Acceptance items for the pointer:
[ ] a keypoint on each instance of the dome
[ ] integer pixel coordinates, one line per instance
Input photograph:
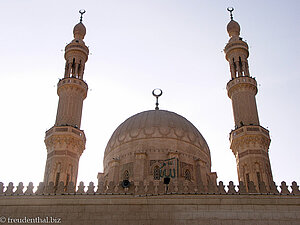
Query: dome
(79, 31)
(233, 28)
(157, 131)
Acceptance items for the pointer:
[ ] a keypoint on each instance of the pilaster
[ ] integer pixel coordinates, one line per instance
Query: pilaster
(139, 169)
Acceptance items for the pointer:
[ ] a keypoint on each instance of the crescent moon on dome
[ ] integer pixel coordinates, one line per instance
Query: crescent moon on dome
(157, 95)
(230, 9)
(82, 11)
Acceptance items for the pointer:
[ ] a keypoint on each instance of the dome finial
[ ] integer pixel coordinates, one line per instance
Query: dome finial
(233, 28)
(79, 30)
(81, 11)
(230, 9)
(157, 93)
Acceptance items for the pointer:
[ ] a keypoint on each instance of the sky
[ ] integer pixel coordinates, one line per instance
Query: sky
(136, 46)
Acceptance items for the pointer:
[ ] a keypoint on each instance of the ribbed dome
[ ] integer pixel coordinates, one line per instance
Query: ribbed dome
(233, 28)
(156, 124)
(79, 31)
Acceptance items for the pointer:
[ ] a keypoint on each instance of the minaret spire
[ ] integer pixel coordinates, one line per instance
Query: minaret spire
(76, 53)
(249, 141)
(230, 9)
(65, 141)
(81, 11)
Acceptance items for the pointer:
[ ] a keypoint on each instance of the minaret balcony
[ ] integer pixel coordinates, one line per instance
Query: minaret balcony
(72, 82)
(63, 139)
(245, 130)
(66, 130)
(75, 46)
(247, 134)
(240, 83)
(236, 45)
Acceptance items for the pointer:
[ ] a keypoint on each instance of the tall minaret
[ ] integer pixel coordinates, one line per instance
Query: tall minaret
(65, 141)
(249, 141)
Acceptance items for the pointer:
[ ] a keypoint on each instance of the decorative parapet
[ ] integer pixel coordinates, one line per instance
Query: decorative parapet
(149, 188)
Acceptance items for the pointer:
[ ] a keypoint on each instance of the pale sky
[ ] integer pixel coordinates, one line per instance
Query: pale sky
(136, 46)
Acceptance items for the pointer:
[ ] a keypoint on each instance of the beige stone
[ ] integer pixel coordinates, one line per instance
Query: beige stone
(188, 209)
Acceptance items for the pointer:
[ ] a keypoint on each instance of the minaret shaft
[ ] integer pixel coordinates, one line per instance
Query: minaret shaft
(71, 92)
(65, 141)
(242, 91)
(249, 141)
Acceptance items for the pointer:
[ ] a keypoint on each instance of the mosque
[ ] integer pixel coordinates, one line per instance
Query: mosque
(157, 165)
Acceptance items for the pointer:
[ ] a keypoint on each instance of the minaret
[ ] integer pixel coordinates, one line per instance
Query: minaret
(249, 141)
(65, 141)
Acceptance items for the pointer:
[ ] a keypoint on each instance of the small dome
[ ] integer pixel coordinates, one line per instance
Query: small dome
(79, 31)
(233, 28)
(157, 129)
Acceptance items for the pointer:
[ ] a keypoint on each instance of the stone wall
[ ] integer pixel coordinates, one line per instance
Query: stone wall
(164, 209)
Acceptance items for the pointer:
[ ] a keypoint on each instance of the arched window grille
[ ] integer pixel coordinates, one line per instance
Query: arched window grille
(187, 175)
(126, 175)
(156, 175)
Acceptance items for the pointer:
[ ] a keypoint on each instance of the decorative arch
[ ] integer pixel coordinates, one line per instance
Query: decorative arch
(154, 164)
(57, 174)
(258, 172)
(245, 174)
(186, 171)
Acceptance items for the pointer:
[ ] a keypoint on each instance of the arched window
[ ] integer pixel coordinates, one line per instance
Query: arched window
(126, 175)
(156, 175)
(241, 66)
(57, 177)
(187, 175)
(73, 68)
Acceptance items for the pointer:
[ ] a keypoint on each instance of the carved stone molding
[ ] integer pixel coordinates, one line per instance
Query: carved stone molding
(245, 141)
(65, 141)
